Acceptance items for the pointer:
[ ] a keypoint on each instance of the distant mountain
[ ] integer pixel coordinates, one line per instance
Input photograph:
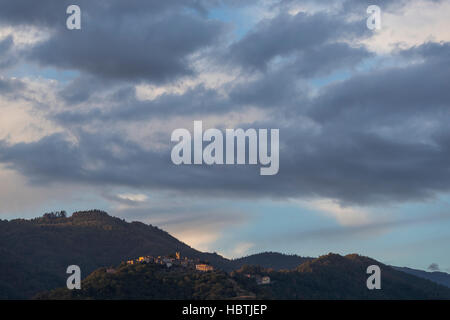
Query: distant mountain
(442, 278)
(344, 277)
(328, 277)
(34, 254)
(270, 260)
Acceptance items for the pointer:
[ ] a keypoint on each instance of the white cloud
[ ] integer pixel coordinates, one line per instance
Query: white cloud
(139, 197)
(345, 216)
(201, 240)
(418, 22)
(241, 249)
(17, 196)
(23, 120)
(210, 80)
(25, 35)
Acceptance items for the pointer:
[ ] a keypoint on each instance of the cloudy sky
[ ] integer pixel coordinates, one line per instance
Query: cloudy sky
(87, 115)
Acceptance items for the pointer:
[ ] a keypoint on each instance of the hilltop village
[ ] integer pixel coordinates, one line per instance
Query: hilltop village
(176, 260)
(194, 264)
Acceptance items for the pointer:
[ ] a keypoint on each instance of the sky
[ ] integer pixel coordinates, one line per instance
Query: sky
(87, 116)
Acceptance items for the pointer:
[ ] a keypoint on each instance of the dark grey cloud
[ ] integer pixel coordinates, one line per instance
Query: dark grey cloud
(287, 35)
(314, 52)
(377, 136)
(347, 156)
(277, 89)
(21, 12)
(103, 159)
(8, 58)
(139, 40)
(83, 88)
(124, 106)
(52, 14)
(287, 87)
(391, 94)
(359, 168)
(327, 58)
(154, 49)
(432, 51)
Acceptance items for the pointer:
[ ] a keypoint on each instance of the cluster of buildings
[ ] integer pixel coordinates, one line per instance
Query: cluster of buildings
(186, 262)
(174, 261)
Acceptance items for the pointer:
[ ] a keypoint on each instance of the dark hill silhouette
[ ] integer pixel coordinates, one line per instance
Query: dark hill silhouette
(270, 260)
(328, 277)
(151, 281)
(442, 278)
(35, 253)
(334, 276)
(344, 277)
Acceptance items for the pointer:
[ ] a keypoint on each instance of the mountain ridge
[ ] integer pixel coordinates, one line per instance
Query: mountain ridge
(46, 245)
(35, 253)
(440, 277)
(331, 276)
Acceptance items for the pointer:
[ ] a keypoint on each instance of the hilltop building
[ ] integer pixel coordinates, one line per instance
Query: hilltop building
(204, 267)
(262, 280)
